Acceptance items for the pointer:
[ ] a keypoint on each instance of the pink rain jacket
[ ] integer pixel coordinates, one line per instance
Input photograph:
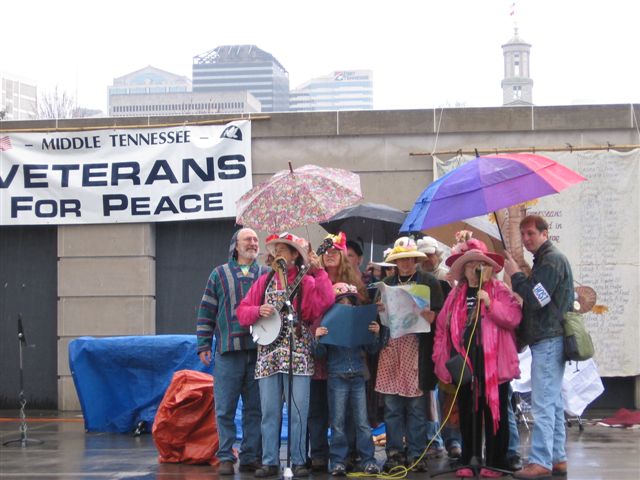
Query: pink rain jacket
(317, 297)
(498, 337)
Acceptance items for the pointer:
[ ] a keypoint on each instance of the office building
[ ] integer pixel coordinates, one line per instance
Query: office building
(182, 103)
(153, 92)
(18, 98)
(243, 67)
(340, 90)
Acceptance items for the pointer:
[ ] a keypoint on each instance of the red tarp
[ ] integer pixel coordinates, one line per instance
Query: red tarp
(184, 429)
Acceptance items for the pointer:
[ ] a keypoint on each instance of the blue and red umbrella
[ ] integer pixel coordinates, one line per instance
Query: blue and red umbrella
(486, 184)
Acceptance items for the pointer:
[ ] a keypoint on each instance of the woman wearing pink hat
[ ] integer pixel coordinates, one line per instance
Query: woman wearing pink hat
(308, 302)
(490, 342)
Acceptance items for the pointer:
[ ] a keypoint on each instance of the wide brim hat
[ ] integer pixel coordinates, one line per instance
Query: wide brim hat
(404, 247)
(473, 250)
(299, 243)
(383, 264)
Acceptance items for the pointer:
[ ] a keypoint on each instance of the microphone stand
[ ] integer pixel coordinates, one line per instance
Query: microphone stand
(288, 472)
(23, 441)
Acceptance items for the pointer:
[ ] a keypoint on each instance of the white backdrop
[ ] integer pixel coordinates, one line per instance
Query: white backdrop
(595, 223)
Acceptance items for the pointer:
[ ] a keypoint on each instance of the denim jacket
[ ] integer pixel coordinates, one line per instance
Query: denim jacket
(346, 361)
(547, 294)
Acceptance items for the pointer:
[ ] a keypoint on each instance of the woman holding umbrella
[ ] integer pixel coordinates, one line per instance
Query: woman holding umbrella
(478, 321)
(274, 364)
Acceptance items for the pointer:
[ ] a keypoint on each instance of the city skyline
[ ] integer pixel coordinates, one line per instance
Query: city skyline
(422, 54)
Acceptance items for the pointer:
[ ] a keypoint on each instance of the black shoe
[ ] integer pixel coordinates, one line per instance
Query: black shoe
(267, 471)
(454, 452)
(338, 470)
(301, 471)
(319, 465)
(514, 463)
(395, 460)
(372, 469)
(249, 467)
(420, 466)
(351, 462)
(225, 468)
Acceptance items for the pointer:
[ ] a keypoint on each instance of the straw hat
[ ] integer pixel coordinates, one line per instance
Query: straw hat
(404, 247)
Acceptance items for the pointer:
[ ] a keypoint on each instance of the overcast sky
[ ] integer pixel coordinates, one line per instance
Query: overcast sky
(423, 53)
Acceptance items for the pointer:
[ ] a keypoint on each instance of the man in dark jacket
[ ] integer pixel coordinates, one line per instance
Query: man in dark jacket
(235, 352)
(547, 294)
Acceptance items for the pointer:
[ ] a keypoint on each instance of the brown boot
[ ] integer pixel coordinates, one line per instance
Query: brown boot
(533, 471)
(559, 469)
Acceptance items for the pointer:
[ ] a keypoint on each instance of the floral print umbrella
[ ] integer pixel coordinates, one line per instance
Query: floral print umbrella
(297, 197)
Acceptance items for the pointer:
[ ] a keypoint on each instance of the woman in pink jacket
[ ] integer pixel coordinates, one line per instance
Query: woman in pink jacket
(492, 355)
(310, 301)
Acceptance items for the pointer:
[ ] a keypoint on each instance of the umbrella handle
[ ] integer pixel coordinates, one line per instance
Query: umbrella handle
(495, 216)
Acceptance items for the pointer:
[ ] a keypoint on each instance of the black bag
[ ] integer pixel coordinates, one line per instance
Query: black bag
(456, 365)
(459, 370)
(578, 345)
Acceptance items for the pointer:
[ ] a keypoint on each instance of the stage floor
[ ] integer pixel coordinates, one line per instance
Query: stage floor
(67, 452)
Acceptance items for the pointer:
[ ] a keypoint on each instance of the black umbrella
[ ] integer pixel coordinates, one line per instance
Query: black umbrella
(374, 222)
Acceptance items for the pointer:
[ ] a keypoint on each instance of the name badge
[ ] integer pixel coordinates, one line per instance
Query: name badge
(541, 294)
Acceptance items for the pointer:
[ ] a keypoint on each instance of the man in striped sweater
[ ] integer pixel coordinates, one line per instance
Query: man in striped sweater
(235, 352)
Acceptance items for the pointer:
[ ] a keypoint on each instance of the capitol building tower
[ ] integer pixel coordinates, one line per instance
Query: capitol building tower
(517, 84)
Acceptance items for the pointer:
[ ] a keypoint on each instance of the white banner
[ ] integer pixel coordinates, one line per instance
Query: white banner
(117, 176)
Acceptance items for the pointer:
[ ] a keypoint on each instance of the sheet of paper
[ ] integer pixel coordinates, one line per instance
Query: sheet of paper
(403, 305)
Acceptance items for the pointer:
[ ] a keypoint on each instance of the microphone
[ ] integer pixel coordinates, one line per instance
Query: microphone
(281, 264)
(478, 270)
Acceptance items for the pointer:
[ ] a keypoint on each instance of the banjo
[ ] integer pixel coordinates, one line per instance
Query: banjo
(268, 329)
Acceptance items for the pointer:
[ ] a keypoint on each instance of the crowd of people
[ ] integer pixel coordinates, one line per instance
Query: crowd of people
(471, 313)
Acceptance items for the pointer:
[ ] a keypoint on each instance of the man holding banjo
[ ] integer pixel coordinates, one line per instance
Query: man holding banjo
(296, 293)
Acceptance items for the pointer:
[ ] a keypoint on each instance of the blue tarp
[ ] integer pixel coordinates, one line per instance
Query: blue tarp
(120, 381)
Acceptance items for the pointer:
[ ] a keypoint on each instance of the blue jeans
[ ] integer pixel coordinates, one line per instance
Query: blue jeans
(450, 434)
(318, 422)
(547, 370)
(514, 435)
(234, 374)
(347, 398)
(405, 417)
(274, 391)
